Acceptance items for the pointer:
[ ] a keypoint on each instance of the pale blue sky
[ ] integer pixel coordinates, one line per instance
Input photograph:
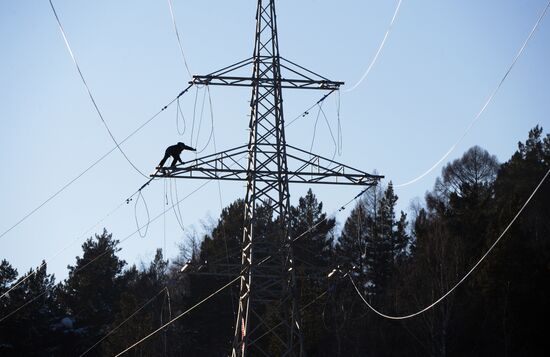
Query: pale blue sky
(440, 63)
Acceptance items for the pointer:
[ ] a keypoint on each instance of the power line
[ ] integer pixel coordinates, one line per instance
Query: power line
(181, 315)
(138, 192)
(62, 250)
(403, 317)
(179, 216)
(378, 51)
(93, 164)
(24, 305)
(90, 93)
(140, 196)
(97, 257)
(238, 277)
(485, 105)
(105, 252)
(306, 112)
(123, 322)
(178, 113)
(170, 5)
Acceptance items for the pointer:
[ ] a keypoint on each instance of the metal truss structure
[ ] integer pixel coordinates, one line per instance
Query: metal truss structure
(313, 169)
(268, 318)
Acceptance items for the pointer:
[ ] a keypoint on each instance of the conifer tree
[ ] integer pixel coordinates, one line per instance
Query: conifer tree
(90, 293)
(28, 312)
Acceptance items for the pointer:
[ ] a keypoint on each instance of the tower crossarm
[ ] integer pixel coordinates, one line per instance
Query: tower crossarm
(303, 167)
(292, 76)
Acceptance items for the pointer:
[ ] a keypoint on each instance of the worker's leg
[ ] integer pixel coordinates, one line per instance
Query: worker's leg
(175, 161)
(166, 156)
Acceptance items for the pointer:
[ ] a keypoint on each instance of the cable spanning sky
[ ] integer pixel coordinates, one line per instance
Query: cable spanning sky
(440, 63)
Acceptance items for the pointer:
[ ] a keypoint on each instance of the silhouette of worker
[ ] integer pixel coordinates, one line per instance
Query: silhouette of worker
(174, 151)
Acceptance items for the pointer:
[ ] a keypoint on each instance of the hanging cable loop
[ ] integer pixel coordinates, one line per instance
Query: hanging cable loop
(140, 196)
(178, 114)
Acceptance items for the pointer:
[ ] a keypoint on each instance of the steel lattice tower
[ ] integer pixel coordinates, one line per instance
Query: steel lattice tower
(268, 311)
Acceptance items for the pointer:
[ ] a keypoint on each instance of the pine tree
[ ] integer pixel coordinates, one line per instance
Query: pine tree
(145, 305)
(312, 232)
(27, 312)
(92, 290)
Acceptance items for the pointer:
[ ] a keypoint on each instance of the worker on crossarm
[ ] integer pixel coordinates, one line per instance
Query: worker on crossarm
(174, 151)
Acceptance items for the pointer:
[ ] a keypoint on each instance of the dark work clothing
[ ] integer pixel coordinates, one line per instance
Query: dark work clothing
(174, 151)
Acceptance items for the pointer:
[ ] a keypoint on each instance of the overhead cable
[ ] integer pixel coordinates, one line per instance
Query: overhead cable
(487, 102)
(170, 5)
(93, 164)
(179, 216)
(90, 93)
(138, 199)
(306, 112)
(343, 207)
(79, 238)
(178, 114)
(123, 322)
(180, 315)
(340, 134)
(194, 113)
(207, 91)
(105, 252)
(403, 317)
(23, 306)
(378, 51)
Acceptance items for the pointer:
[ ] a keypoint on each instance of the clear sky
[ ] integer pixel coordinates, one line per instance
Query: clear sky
(441, 61)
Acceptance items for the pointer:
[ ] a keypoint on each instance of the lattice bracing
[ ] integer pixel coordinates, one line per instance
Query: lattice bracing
(268, 319)
(304, 167)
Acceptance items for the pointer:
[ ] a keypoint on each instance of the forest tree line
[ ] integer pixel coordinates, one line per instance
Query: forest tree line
(399, 262)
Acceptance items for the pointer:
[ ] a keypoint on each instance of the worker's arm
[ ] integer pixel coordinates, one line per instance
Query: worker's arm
(189, 148)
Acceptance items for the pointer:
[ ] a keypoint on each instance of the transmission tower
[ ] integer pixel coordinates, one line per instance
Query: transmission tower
(268, 311)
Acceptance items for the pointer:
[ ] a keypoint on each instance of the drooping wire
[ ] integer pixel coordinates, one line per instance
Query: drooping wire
(237, 278)
(194, 113)
(211, 121)
(315, 128)
(373, 61)
(179, 113)
(123, 322)
(200, 119)
(485, 105)
(175, 206)
(90, 92)
(138, 199)
(92, 165)
(330, 131)
(340, 133)
(170, 5)
(319, 113)
(403, 317)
